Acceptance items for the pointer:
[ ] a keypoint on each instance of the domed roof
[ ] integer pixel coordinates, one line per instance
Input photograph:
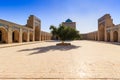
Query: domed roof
(68, 20)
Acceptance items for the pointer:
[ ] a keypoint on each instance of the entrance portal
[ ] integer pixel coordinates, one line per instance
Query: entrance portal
(37, 33)
(101, 33)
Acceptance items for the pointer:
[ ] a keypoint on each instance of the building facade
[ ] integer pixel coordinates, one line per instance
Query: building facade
(69, 23)
(107, 31)
(11, 32)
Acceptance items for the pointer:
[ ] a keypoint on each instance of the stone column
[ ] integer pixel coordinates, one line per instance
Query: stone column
(40, 36)
(45, 36)
(105, 35)
(28, 36)
(111, 36)
(9, 35)
(119, 35)
(20, 37)
(98, 36)
(48, 37)
(33, 36)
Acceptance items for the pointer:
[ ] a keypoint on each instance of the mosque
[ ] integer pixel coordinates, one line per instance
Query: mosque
(14, 33)
(69, 23)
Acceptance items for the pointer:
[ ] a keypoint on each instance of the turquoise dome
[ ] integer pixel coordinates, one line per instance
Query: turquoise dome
(68, 20)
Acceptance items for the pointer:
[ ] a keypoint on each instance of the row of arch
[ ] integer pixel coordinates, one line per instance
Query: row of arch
(91, 36)
(115, 36)
(45, 36)
(3, 35)
(102, 35)
(15, 36)
(111, 37)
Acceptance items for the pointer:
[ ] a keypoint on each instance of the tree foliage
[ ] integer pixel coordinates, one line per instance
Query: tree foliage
(64, 32)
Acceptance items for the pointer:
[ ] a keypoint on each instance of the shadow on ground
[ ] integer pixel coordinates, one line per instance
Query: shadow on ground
(39, 50)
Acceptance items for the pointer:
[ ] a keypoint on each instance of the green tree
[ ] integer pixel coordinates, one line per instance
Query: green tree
(54, 31)
(65, 33)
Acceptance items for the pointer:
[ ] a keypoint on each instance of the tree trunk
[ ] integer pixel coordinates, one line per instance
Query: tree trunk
(62, 42)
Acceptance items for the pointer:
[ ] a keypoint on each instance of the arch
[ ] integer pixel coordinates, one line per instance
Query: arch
(31, 36)
(108, 36)
(24, 37)
(15, 36)
(3, 35)
(37, 33)
(115, 36)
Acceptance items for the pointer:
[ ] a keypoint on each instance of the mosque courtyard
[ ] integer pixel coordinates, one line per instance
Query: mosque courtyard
(84, 60)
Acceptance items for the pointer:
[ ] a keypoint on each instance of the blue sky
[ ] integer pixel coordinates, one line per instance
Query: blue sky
(53, 12)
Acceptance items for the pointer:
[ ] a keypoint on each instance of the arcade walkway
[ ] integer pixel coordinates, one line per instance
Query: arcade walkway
(85, 60)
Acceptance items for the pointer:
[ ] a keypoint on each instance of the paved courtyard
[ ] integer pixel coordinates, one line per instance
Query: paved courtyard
(84, 60)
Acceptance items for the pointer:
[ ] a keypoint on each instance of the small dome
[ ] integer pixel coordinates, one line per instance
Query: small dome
(68, 20)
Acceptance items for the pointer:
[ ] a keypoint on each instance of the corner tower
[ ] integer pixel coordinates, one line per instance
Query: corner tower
(35, 23)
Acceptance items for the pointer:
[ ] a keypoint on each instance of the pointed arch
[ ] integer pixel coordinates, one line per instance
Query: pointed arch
(3, 35)
(15, 36)
(24, 37)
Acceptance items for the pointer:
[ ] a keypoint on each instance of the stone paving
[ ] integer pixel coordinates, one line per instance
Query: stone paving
(84, 60)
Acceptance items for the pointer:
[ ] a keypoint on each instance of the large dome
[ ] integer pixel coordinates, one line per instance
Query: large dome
(68, 20)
